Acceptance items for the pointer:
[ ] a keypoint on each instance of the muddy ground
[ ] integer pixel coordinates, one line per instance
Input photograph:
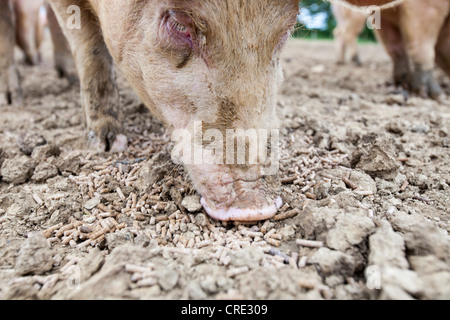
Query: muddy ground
(366, 175)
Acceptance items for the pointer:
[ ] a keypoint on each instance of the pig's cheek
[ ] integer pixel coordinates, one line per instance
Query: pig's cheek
(176, 117)
(279, 74)
(196, 86)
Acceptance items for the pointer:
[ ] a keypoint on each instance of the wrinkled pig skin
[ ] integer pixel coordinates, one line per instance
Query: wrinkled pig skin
(215, 62)
(350, 24)
(416, 34)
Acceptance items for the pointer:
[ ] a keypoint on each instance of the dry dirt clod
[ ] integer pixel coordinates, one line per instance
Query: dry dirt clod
(92, 203)
(28, 142)
(70, 164)
(405, 280)
(167, 278)
(399, 99)
(192, 203)
(350, 230)
(421, 237)
(35, 257)
(333, 262)
(17, 170)
(41, 153)
(376, 156)
(387, 248)
(43, 172)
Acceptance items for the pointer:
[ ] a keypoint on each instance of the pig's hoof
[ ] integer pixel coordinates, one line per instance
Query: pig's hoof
(11, 98)
(110, 143)
(425, 85)
(71, 76)
(10, 88)
(236, 213)
(402, 79)
(356, 61)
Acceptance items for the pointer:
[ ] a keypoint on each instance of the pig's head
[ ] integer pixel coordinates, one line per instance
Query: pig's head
(207, 68)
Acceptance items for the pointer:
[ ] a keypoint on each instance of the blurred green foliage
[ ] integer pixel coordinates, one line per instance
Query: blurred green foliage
(321, 9)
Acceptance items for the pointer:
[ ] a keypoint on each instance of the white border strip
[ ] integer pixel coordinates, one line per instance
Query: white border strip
(383, 7)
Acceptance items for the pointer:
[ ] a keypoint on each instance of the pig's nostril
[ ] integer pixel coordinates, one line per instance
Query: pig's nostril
(109, 141)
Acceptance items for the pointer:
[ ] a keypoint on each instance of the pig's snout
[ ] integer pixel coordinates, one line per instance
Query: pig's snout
(237, 174)
(227, 199)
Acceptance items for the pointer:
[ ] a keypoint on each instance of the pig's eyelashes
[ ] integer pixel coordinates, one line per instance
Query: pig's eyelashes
(180, 28)
(175, 25)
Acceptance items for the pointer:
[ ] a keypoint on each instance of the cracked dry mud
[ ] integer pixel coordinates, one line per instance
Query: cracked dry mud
(365, 170)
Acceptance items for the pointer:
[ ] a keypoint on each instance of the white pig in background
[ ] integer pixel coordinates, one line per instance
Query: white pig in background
(350, 23)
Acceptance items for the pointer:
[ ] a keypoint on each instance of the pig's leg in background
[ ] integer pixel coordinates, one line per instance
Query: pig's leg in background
(64, 63)
(9, 76)
(340, 45)
(443, 48)
(99, 92)
(27, 19)
(420, 42)
(350, 23)
(353, 53)
(355, 26)
(339, 32)
(391, 37)
(352, 45)
(39, 30)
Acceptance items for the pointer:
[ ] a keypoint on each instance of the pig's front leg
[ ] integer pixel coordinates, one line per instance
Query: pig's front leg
(443, 48)
(9, 76)
(421, 43)
(391, 37)
(99, 92)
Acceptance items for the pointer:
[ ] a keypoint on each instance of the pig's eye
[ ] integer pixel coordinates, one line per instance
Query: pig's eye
(180, 27)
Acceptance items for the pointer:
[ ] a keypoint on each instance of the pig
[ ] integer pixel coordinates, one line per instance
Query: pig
(350, 24)
(416, 35)
(29, 28)
(22, 23)
(64, 64)
(9, 76)
(31, 18)
(210, 65)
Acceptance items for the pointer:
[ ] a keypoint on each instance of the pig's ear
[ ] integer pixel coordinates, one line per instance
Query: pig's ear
(367, 3)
